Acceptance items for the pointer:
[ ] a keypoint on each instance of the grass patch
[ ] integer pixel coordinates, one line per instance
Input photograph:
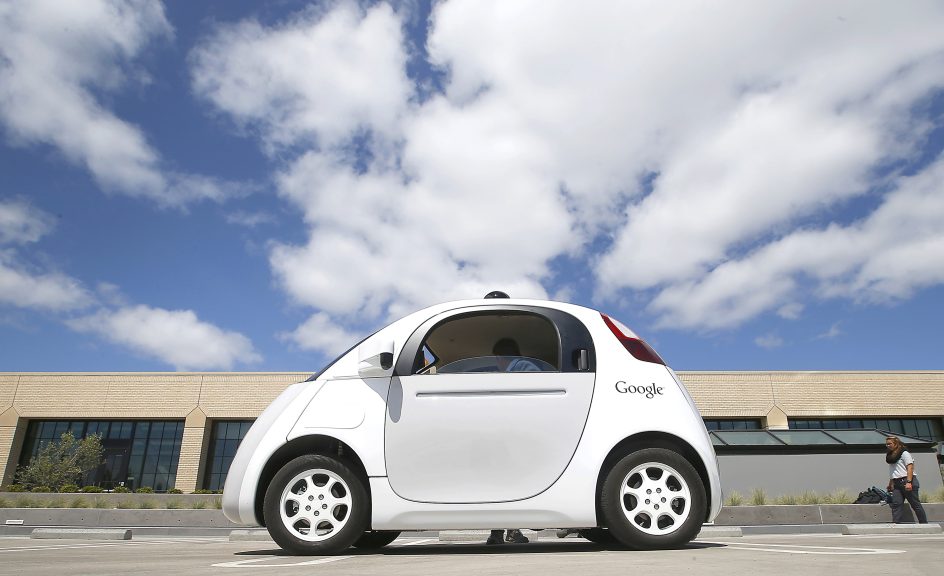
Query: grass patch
(785, 500)
(26, 502)
(758, 497)
(734, 499)
(174, 504)
(99, 502)
(199, 505)
(4, 503)
(218, 503)
(79, 502)
(146, 504)
(125, 505)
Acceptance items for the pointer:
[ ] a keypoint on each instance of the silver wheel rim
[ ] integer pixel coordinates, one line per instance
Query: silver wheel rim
(655, 498)
(315, 505)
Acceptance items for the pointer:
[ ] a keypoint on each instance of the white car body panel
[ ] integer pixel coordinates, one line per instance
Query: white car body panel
(448, 441)
(542, 473)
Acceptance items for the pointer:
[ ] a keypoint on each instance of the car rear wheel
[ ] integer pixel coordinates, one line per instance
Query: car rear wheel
(376, 539)
(315, 505)
(653, 499)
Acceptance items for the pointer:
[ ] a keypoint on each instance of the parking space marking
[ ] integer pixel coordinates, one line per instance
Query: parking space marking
(801, 549)
(254, 562)
(33, 546)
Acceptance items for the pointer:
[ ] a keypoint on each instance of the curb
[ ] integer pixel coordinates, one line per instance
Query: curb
(80, 534)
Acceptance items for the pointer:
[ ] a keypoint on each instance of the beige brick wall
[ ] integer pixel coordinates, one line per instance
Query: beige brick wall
(243, 395)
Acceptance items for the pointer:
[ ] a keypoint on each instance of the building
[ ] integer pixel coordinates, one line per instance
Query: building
(175, 429)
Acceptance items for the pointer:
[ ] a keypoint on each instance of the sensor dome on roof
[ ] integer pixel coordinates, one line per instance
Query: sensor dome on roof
(495, 294)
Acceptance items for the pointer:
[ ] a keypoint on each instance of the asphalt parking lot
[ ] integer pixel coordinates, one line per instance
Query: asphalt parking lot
(754, 555)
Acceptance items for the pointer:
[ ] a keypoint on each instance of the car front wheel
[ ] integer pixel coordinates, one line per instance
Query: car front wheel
(653, 499)
(315, 505)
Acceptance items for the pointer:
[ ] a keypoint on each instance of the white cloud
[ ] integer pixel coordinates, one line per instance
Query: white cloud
(769, 341)
(21, 223)
(56, 58)
(833, 332)
(250, 219)
(38, 290)
(707, 142)
(176, 337)
(322, 334)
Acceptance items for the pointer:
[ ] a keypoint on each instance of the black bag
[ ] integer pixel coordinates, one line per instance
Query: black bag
(872, 496)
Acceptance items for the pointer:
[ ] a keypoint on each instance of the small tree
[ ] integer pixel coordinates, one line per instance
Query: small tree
(64, 462)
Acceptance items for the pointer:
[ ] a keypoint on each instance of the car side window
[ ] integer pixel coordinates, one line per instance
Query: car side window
(492, 341)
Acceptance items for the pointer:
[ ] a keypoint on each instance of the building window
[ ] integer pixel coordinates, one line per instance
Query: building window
(137, 453)
(732, 424)
(924, 428)
(225, 439)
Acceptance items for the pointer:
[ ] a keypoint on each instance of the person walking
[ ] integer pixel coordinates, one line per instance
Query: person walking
(903, 482)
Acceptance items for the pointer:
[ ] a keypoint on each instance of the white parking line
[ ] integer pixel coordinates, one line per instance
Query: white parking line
(253, 562)
(799, 549)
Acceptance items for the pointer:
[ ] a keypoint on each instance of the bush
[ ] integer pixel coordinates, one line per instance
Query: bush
(69, 488)
(79, 502)
(92, 489)
(175, 491)
(122, 490)
(63, 462)
(734, 499)
(202, 491)
(758, 497)
(39, 489)
(145, 490)
(15, 488)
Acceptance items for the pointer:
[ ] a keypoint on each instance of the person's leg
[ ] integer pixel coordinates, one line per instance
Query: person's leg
(495, 537)
(915, 502)
(898, 503)
(516, 537)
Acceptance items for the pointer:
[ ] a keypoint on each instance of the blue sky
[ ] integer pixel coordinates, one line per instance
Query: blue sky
(233, 186)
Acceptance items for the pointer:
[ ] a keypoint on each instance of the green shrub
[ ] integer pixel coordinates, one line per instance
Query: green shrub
(174, 504)
(734, 499)
(14, 488)
(146, 504)
(175, 491)
(99, 502)
(758, 497)
(65, 461)
(145, 490)
(121, 490)
(124, 504)
(91, 489)
(4, 503)
(938, 495)
(79, 502)
(202, 491)
(785, 500)
(840, 496)
(26, 502)
(69, 488)
(218, 503)
(41, 489)
(198, 505)
(809, 497)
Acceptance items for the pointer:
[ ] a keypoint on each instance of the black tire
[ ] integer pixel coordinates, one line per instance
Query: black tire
(669, 515)
(376, 539)
(340, 519)
(600, 536)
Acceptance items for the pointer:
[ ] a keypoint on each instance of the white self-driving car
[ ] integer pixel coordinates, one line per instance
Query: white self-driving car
(481, 414)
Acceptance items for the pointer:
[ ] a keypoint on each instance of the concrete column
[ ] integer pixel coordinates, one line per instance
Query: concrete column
(192, 451)
(12, 431)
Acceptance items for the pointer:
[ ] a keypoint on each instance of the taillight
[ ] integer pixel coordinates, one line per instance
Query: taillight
(633, 344)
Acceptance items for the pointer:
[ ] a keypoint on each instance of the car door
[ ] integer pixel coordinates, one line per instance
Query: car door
(473, 426)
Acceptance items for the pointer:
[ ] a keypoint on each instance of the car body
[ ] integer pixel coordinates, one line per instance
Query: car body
(423, 426)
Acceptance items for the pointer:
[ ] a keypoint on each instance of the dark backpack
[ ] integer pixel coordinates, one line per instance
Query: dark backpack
(872, 496)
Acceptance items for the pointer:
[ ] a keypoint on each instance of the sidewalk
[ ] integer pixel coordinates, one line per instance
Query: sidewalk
(732, 522)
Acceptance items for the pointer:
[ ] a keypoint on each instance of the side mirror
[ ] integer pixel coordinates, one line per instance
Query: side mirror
(375, 359)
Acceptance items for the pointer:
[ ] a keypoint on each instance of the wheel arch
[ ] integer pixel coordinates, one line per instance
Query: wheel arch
(313, 444)
(643, 440)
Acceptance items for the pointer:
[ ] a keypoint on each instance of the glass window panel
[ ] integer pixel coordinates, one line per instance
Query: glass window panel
(804, 437)
(142, 430)
(157, 430)
(910, 427)
(868, 424)
(748, 438)
(924, 428)
(858, 436)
